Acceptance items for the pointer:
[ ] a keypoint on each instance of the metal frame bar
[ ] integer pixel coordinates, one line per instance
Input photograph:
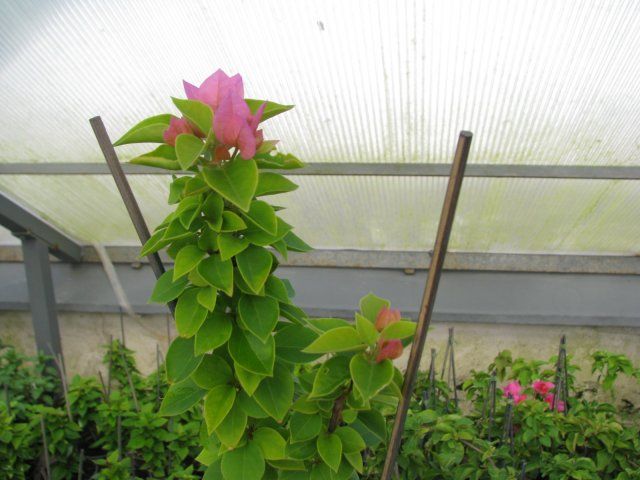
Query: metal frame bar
(20, 221)
(398, 260)
(428, 299)
(366, 169)
(42, 302)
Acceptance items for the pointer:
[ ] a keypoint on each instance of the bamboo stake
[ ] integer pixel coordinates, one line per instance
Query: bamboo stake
(80, 464)
(105, 395)
(428, 298)
(130, 381)
(63, 380)
(47, 463)
(119, 436)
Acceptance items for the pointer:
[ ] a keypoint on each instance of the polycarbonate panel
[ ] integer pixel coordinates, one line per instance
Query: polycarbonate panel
(544, 82)
(494, 215)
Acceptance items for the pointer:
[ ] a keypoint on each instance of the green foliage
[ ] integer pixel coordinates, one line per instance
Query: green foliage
(590, 441)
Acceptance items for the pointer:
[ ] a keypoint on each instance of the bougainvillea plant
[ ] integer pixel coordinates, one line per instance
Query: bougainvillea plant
(283, 395)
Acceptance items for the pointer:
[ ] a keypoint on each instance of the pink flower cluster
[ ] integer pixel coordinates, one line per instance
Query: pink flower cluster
(233, 123)
(388, 349)
(541, 388)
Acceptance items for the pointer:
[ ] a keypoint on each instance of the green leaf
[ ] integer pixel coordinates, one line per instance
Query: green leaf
(248, 380)
(155, 243)
(187, 259)
(291, 340)
(162, 157)
(188, 149)
(275, 394)
(214, 332)
(181, 397)
(218, 273)
(261, 238)
(302, 450)
(304, 427)
(261, 215)
(270, 442)
(195, 186)
(166, 289)
(212, 371)
(295, 243)
(327, 324)
(270, 183)
(207, 297)
(275, 288)
(330, 375)
(259, 315)
(372, 426)
(181, 360)
(196, 112)
(341, 339)
(351, 440)
(254, 265)
(370, 306)
(212, 208)
(252, 354)
(231, 222)
(230, 245)
(231, 429)
(250, 406)
(149, 130)
(399, 330)
(370, 377)
(217, 405)
(366, 330)
(330, 450)
(176, 188)
(271, 109)
(273, 159)
(355, 460)
(189, 313)
(236, 181)
(243, 287)
(246, 463)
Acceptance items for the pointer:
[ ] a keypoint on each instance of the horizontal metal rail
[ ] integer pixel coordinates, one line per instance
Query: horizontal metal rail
(365, 169)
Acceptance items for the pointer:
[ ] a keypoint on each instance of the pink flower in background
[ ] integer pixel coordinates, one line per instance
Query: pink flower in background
(390, 349)
(550, 398)
(386, 316)
(175, 128)
(542, 387)
(512, 390)
(235, 126)
(215, 88)
(519, 398)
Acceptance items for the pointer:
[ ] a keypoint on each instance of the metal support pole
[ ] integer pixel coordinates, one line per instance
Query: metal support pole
(127, 195)
(428, 298)
(41, 296)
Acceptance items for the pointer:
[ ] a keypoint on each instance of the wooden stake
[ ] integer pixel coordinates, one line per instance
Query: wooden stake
(428, 298)
(47, 463)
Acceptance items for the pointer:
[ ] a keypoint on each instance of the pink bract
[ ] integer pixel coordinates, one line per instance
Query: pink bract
(388, 349)
(235, 126)
(542, 387)
(550, 398)
(215, 88)
(176, 127)
(512, 390)
(386, 316)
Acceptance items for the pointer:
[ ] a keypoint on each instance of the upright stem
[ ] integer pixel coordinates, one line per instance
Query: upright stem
(338, 407)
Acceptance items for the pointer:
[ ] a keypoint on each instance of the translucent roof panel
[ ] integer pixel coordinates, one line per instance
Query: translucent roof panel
(493, 214)
(543, 82)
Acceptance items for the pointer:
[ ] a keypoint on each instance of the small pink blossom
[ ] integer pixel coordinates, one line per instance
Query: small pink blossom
(542, 387)
(519, 398)
(388, 349)
(215, 88)
(235, 126)
(175, 128)
(386, 316)
(550, 398)
(512, 390)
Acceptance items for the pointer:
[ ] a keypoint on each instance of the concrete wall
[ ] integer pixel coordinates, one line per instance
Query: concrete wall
(476, 343)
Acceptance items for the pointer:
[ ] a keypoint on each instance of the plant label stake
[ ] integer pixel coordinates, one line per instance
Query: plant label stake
(428, 298)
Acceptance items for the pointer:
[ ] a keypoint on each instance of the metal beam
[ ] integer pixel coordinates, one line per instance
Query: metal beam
(42, 302)
(20, 221)
(408, 261)
(366, 169)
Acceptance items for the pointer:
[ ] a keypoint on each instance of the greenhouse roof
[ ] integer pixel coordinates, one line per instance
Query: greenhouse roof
(551, 84)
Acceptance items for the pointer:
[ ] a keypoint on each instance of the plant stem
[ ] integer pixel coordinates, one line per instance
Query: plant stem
(338, 407)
